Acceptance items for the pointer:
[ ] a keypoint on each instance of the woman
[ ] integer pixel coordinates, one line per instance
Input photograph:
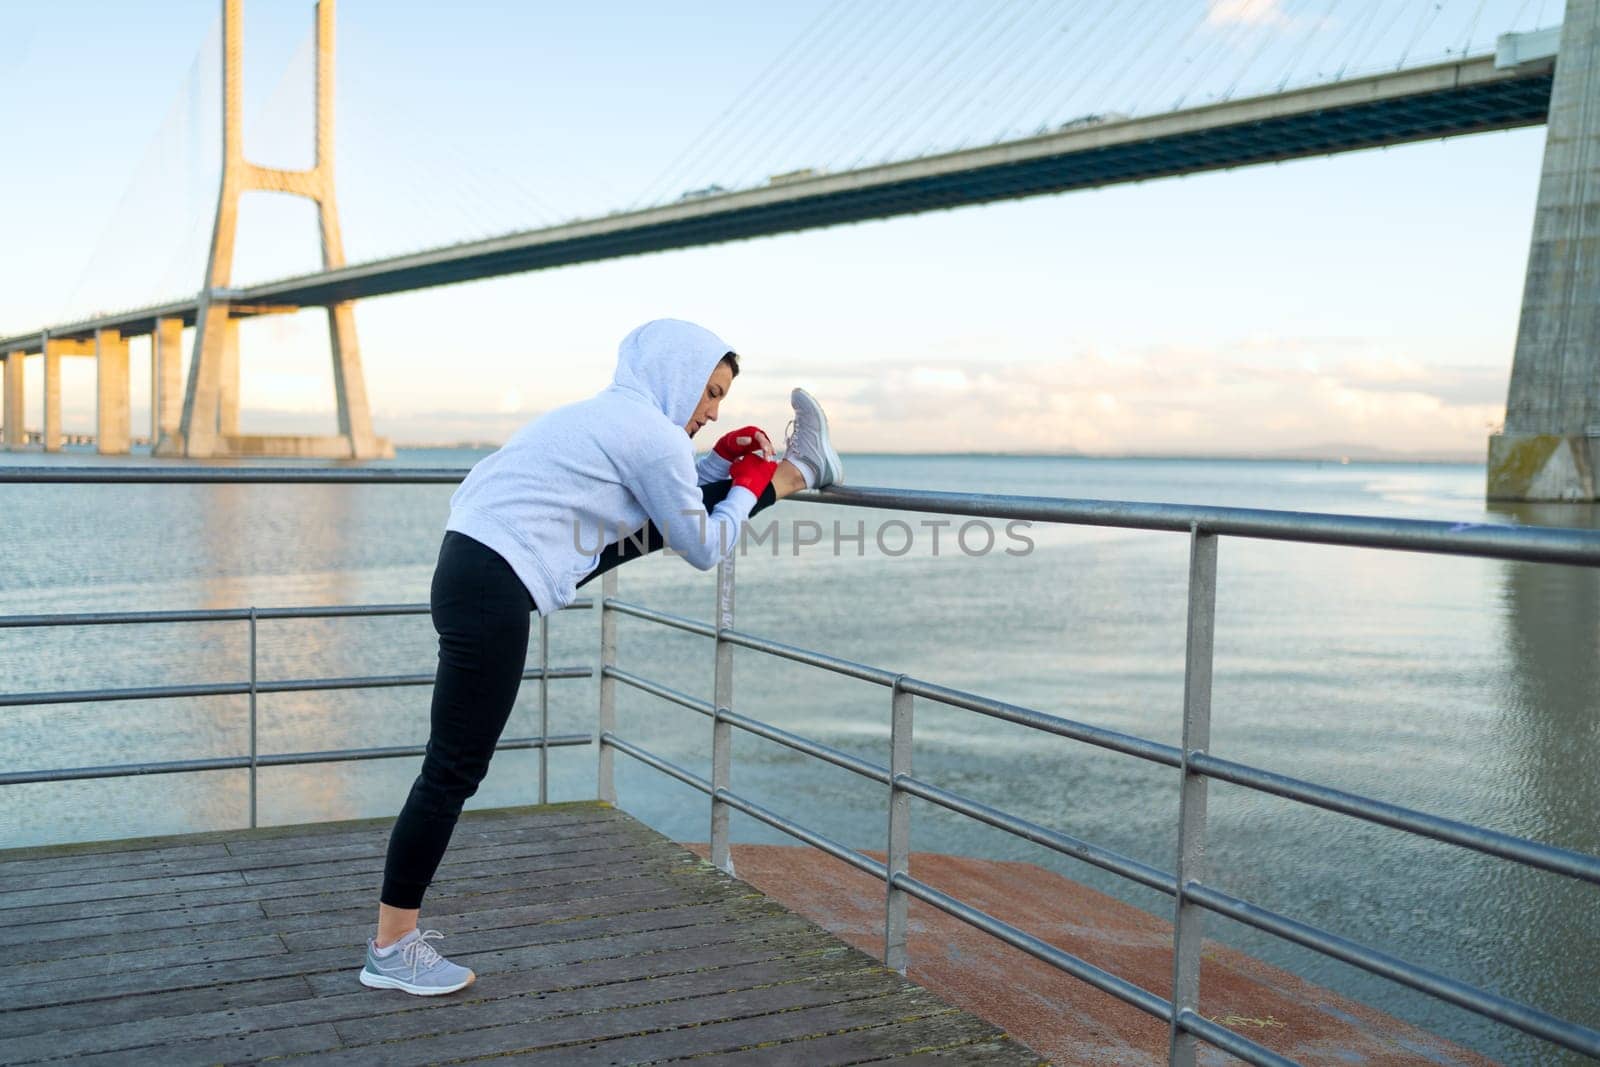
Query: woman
(521, 538)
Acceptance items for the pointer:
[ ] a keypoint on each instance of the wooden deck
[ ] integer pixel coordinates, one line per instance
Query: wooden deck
(595, 940)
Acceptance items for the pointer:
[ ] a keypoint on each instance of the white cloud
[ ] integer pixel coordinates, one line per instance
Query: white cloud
(1265, 397)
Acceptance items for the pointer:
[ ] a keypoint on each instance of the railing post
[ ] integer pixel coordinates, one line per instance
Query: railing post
(253, 718)
(899, 846)
(1188, 927)
(606, 787)
(721, 731)
(544, 709)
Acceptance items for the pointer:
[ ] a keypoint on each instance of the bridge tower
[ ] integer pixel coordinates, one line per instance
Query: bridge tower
(210, 422)
(1550, 446)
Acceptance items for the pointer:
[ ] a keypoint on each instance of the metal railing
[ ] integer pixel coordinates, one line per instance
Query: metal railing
(1192, 895)
(1188, 886)
(253, 685)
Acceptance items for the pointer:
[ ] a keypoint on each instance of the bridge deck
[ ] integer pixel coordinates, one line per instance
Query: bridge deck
(595, 940)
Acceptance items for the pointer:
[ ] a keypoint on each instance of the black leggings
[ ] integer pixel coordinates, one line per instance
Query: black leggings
(481, 611)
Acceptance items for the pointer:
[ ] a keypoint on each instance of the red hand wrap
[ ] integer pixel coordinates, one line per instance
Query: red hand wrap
(753, 472)
(735, 443)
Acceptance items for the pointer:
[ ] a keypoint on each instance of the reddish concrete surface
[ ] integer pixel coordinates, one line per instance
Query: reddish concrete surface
(1061, 1017)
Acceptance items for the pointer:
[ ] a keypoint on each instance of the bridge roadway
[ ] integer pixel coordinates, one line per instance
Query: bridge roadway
(1471, 95)
(595, 941)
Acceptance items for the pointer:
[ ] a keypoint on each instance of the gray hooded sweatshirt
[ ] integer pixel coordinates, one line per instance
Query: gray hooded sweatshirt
(585, 475)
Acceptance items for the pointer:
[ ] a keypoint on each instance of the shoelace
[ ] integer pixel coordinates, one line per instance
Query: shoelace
(788, 437)
(419, 953)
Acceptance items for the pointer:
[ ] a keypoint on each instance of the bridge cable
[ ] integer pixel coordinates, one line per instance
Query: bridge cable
(937, 102)
(772, 148)
(814, 32)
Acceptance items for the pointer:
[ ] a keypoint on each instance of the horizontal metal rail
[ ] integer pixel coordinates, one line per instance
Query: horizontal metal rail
(1130, 744)
(755, 726)
(676, 622)
(816, 749)
(285, 759)
(1101, 979)
(1489, 540)
(1453, 831)
(125, 618)
(219, 689)
(1538, 544)
(1067, 845)
(1490, 1005)
(695, 704)
(65, 474)
(650, 759)
(1116, 741)
(844, 853)
(749, 807)
(848, 668)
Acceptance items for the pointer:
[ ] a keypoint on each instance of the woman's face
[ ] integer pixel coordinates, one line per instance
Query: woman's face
(717, 387)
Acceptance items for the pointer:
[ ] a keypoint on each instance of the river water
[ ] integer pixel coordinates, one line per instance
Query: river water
(1468, 688)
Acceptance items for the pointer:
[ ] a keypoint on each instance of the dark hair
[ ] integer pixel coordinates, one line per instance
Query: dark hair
(732, 360)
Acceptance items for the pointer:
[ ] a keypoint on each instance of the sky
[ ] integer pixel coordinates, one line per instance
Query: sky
(1361, 303)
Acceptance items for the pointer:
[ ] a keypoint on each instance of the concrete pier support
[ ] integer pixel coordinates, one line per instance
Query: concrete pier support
(16, 436)
(54, 352)
(113, 411)
(1550, 447)
(52, 399)
(166, 385)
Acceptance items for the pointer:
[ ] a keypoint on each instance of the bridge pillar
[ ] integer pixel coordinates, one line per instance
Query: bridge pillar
(113, 417)
(51, 438)
(166, 396)
(210, 424)
(16, 436)
(1550, 446)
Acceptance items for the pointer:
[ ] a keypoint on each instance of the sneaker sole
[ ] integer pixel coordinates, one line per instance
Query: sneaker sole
(833, 466)
(382, 981)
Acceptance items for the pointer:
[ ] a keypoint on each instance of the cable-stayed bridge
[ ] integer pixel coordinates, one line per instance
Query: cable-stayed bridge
(1528, 78)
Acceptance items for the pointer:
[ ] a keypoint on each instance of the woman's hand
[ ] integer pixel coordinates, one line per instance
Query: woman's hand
(753, 471)
(742, 442)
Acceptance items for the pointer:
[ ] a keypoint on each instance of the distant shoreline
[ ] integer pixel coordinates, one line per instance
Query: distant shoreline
(1298, 456)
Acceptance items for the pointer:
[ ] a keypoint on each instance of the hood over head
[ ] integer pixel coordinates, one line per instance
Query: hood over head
(668, 362)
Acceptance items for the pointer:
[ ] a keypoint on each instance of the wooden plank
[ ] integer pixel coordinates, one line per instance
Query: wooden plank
(41, 934)
(613, 946)
(474, 1015)
(570, 1030)
(348, 956)
(302, 932)
(482, 858)
(88, 870)
(755, 1033)
(1001, 1050)
(220, 998)
(13, 869)
(238, 1048)
(137, 1018)
(141, 887)
(122, 961)
(466, 894)
(320, 835)
(294, 835)
(279, 896)
(943, 1038)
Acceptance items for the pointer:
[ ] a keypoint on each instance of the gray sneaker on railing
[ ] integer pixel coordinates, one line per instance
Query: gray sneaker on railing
(414, 966)
(808, 446)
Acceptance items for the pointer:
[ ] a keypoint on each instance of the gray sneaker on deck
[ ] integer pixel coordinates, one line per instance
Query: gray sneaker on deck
(808, 446)
(414, 966)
